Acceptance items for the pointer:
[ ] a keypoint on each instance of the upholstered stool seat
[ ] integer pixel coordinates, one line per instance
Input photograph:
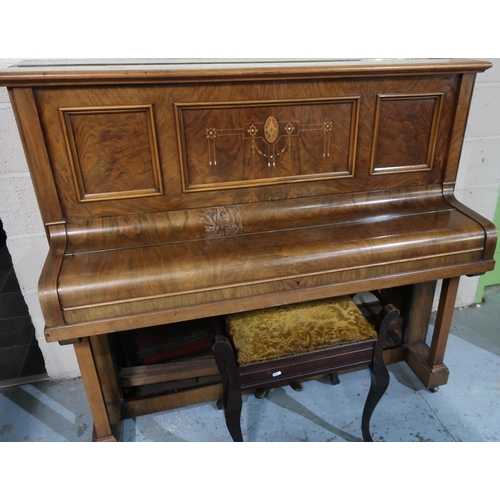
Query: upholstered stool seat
(275, 346)
(298, 328)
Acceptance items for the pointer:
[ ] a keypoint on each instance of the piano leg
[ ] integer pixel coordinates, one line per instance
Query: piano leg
(420, 298)
(105, 421)
(427, 362)
(443, 324)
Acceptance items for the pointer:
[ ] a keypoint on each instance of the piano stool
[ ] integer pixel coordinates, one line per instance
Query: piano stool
(270, 347)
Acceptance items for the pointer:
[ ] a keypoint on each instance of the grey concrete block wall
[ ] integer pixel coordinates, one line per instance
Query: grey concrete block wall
(478, 182)
(477, 186)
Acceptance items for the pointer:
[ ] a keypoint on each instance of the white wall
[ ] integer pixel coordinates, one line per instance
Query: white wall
(25, 233)
(478, 185)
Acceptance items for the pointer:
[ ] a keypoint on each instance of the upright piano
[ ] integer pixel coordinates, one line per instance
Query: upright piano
(177, 190)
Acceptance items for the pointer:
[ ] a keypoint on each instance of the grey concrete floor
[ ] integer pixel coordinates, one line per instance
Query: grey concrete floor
(467, 409)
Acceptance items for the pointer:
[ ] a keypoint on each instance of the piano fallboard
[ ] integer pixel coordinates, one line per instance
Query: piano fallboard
(406, 237)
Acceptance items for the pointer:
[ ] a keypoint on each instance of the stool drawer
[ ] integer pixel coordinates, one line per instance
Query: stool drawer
(298, 367)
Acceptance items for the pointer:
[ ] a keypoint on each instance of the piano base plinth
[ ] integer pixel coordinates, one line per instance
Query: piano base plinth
(430, 376)
(112, 438)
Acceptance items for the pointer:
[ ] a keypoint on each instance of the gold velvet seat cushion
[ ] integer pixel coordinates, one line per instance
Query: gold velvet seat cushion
(297, 328)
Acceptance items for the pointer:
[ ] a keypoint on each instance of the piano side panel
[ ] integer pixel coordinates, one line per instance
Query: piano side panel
(464, 97)
(30, 131)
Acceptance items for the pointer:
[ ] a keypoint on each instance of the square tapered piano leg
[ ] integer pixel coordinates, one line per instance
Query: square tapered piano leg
(106, 415)
(428, 362)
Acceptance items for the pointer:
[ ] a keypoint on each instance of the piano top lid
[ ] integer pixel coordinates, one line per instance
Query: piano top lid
(113, 71)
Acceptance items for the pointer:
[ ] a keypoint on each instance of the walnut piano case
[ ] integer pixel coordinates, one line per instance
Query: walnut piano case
(174, 191)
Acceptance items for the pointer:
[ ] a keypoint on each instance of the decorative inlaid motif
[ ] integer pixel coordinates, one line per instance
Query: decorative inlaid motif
(233, 145)
(211, 136)
(274, 133)
(327, 129)
(271, 129)
(221, 222)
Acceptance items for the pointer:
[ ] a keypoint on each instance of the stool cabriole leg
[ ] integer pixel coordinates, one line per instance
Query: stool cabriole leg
(378, 372)
(229, 371)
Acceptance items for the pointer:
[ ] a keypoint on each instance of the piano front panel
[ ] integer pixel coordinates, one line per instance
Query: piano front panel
(112, 152)
(405, 134)
(132, 149)
(250, 144)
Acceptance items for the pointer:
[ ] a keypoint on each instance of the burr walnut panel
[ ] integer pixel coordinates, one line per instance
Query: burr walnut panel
(249, 143)
(405, 133)
(112, 150)
(168, 270)
(175, 172)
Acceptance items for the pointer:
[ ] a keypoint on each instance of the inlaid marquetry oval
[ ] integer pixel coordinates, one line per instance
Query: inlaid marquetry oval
(271, 129)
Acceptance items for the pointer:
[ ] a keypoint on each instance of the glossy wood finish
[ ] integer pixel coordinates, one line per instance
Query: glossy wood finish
(183, 148)
(159, 263)
(180, 190)
(33, 141)
(443, 323)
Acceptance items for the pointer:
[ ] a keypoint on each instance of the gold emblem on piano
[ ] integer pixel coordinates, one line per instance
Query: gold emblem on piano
(272, 136)
(271, 129)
